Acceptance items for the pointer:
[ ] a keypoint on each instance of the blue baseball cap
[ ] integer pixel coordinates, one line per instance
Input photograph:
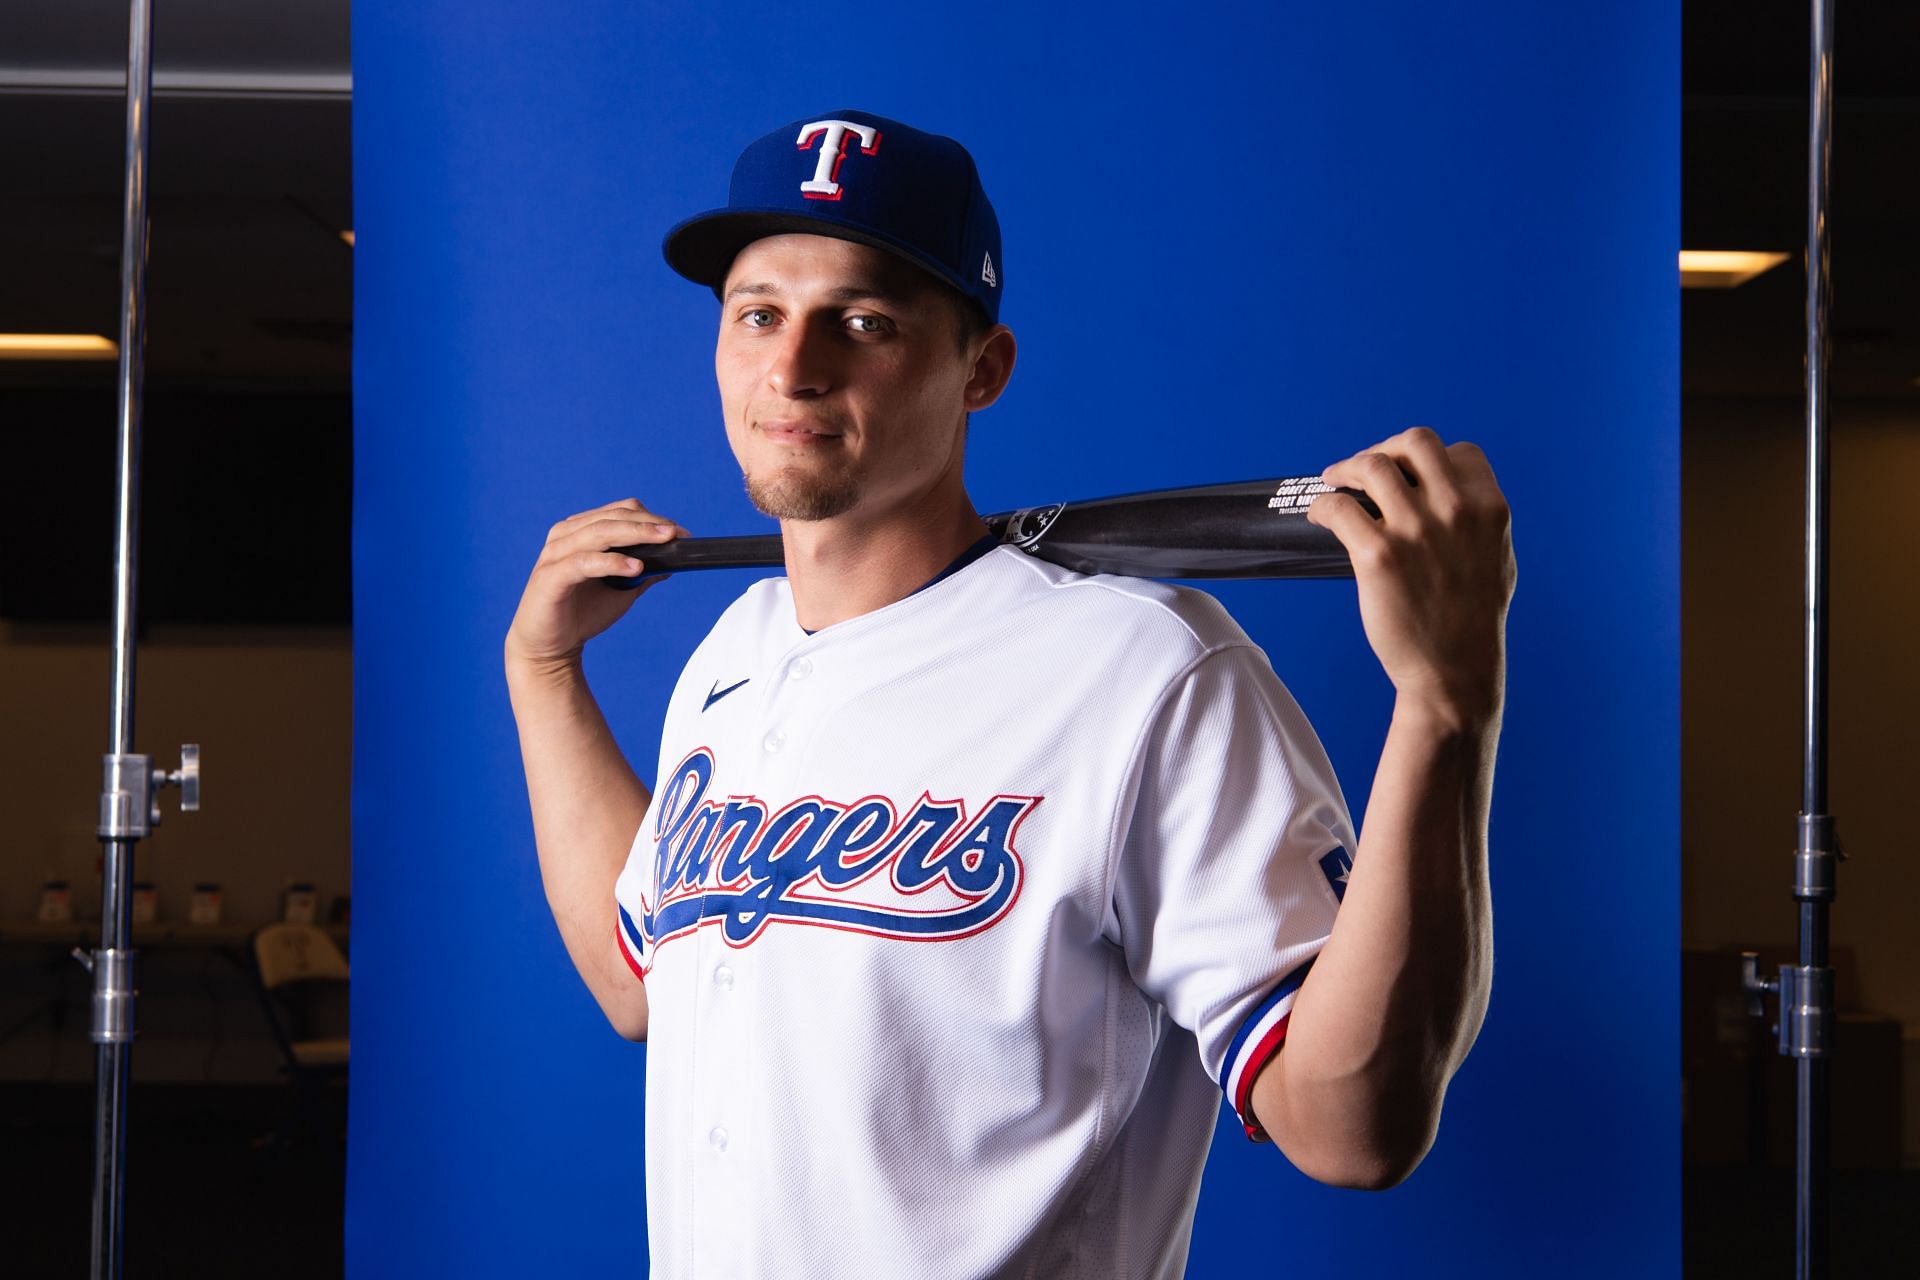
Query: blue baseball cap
(854, 176)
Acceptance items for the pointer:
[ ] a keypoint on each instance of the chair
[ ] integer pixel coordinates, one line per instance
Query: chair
(303, 985)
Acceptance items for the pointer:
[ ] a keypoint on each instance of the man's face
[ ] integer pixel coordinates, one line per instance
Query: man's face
(839, 376)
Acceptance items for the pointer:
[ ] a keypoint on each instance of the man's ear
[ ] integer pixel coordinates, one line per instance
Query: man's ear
(991, 369)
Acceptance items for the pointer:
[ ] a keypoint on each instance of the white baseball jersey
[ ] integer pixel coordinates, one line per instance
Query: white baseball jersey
(954, 919)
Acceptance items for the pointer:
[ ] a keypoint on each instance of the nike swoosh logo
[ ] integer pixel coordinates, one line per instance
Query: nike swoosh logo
(716, 693)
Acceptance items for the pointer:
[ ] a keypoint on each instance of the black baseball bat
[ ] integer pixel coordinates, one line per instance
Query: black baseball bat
(1244, 529)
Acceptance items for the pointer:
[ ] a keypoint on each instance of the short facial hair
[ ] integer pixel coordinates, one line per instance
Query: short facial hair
(792, 494)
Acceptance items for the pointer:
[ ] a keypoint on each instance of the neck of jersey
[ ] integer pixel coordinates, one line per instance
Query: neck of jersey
(986, 543)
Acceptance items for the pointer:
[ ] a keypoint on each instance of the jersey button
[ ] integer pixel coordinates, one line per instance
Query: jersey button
(723, 978)
(801, 669)
(775, 740)
(718, 1137)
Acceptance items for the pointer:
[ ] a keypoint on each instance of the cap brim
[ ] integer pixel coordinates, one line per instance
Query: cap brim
(704, 246)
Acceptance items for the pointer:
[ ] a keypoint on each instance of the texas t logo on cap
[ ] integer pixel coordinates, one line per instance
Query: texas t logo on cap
(825, 184)
(923, 203)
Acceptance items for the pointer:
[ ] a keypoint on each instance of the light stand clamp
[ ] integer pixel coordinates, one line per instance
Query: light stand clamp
(129, 810)
(130, 792)
(1805, 991)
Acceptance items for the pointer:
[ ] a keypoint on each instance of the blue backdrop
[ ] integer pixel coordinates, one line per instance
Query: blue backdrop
(1240, 241)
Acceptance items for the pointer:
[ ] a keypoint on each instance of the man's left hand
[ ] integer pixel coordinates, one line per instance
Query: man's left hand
(1435, 571)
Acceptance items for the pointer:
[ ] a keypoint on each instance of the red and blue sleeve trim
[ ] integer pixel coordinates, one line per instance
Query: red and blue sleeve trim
(1258, 1039)
(628, 939)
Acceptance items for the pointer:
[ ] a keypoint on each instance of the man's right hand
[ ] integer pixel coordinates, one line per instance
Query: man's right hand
(565, 605)
(587, 802)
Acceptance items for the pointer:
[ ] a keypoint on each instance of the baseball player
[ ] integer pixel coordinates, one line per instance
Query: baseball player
(969, 886)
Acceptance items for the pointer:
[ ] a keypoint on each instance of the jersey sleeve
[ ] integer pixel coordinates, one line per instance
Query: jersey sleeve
(1231, 849)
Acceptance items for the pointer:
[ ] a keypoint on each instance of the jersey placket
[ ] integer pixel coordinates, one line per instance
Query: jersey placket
(761, 759)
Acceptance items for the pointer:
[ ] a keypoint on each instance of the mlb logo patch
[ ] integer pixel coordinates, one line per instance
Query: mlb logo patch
(1335, 866)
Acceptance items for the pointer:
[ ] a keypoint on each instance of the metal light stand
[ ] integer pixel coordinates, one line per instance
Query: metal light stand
(1806, 989)
(130, 794)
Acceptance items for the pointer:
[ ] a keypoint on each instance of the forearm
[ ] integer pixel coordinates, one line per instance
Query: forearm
(1397, 995)
(587, 804)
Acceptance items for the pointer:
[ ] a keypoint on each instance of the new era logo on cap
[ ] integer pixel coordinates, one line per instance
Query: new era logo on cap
(861, 177)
